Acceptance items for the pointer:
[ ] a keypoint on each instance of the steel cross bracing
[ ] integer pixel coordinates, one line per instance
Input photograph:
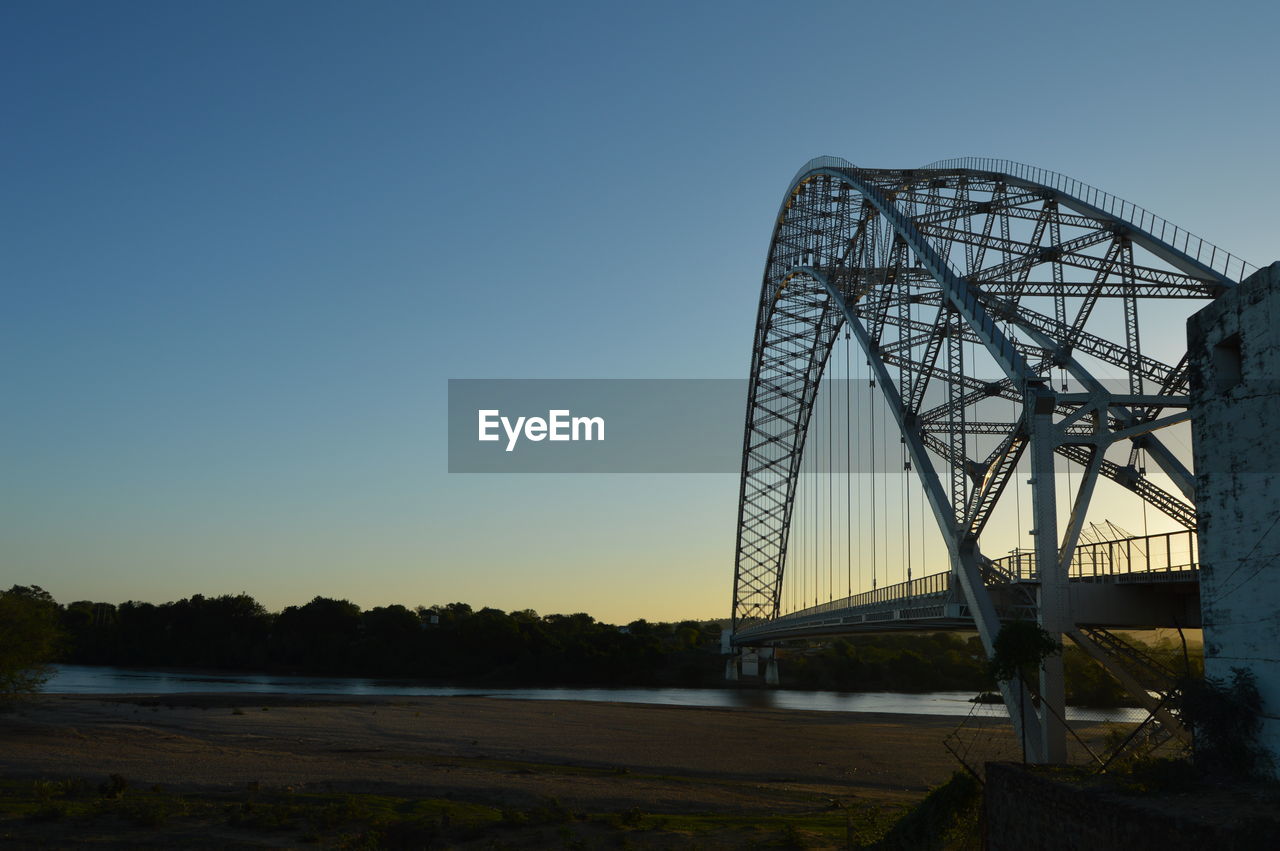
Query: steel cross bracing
(964, 286)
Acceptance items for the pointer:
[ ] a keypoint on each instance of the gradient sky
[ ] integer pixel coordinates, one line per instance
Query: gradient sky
(246, 244)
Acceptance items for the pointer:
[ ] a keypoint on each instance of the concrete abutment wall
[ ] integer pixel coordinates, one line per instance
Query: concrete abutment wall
(1233, 348)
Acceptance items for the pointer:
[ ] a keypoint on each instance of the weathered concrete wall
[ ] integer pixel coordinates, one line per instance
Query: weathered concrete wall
(1234, 351)
(1024, 809)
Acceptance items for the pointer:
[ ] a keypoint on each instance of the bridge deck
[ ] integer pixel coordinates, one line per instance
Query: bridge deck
(1135, 583)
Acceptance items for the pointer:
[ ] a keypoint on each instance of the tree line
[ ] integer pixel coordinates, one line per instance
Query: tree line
(455, 643)
(327, 636)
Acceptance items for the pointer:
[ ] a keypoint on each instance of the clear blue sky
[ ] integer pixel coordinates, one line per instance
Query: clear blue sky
(246, 244)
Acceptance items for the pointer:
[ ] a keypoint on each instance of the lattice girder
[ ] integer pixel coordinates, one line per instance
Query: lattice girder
(886, 242)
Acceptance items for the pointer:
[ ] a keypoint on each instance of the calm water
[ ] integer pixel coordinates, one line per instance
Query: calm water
(82, 679)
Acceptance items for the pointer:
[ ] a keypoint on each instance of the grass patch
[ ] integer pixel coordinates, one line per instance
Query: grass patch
(946, 818)
(113, 813)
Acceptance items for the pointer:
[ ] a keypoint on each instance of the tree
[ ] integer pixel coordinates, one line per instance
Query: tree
(1019, 649)
(1225, 717)
(30, 637)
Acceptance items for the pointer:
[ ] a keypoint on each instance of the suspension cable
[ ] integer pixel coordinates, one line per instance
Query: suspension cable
(817, 508)
(830, 488)
(871, 453)
(906, 500)
(799, 524)
(848, 467)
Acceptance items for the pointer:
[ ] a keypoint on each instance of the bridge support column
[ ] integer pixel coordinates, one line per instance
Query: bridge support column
(730, 656)
(771, 667)
(1054, 593)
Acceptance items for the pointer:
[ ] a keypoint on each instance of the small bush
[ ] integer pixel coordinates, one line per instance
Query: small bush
(410, 834)
(550, 811)
(50, 811)
(147, 812)
(46, 790)
(1160, 774)
(1224, 718)
(113, 787)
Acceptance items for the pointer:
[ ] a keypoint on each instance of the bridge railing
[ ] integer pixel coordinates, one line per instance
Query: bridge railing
(1223, 262)
(1167, 552)
(1161, 553)
(823, 162)
(934, 583)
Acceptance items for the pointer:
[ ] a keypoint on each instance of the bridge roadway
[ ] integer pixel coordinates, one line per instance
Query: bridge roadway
(1142, 582)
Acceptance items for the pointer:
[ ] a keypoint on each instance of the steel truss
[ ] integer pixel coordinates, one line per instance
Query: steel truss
(964, 285)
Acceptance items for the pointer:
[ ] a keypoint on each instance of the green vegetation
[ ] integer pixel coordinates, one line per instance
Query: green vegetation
(30, 638)
(896, 662)
(1020, 648)
(942, 662)
(947, 818)
(457, 644)
(1224, 717)
(451, 643)
(115, 814)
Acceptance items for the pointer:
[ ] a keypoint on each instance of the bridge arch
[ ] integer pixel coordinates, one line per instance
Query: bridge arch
(972, 280)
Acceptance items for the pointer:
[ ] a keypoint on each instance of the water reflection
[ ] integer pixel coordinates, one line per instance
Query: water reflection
(82, 679)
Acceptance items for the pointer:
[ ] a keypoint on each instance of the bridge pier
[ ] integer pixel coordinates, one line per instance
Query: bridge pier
(747, 662)
(1053, 728)
(730, 657)
(1054, 591)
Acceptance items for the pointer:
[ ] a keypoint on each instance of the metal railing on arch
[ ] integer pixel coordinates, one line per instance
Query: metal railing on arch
(1223, 262)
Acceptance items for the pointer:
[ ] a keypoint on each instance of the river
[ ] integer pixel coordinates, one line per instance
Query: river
(85, 679)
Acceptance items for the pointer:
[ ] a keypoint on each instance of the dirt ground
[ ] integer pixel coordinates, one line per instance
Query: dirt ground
(671, 758)
(743, 763)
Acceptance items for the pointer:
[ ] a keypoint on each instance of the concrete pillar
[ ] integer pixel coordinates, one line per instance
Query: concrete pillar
(771, 673)
(1233, 346)
(1054, 593)
(731, 669)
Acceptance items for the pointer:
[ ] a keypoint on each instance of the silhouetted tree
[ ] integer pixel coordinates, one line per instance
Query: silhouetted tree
(30, 638)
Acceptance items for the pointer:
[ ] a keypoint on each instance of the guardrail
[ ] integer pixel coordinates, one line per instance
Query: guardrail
(1166, 552)
(934, 583)
(1159, 553)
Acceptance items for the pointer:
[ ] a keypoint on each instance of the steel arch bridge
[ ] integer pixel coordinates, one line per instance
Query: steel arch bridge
(965, 281)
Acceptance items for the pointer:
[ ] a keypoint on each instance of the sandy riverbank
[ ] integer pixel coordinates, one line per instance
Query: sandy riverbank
(595, 755)
(251, 771)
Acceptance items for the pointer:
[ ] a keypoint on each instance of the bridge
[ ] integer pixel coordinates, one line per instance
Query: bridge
(947, 362)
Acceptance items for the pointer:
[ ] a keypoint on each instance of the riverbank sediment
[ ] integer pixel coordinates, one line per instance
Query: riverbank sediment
(590, 756)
